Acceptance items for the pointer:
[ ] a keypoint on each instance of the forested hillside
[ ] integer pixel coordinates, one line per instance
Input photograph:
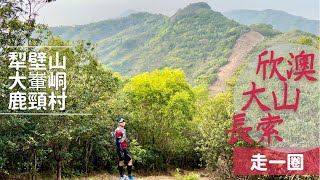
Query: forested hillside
(94, 32)
(196, 39)
(279, 19)
(172, 125)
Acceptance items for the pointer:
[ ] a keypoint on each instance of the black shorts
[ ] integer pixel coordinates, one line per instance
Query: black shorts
(127, 155)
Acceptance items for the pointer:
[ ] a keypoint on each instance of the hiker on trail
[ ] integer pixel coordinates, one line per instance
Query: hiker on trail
(123, 153)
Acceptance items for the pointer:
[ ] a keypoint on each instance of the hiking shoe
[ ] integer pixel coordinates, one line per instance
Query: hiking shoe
(131, 177)
(123, 177)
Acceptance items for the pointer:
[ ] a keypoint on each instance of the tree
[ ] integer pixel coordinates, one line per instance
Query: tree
(17, 24)
(162, 105)
(96, 86)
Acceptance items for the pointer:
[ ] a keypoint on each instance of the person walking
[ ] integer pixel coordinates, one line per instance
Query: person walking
(122, 151)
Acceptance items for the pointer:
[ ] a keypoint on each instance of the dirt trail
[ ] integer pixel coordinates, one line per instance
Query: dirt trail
(106, 176)
(240, 51)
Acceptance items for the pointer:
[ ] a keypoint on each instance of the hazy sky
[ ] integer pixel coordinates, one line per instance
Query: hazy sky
(71, 12)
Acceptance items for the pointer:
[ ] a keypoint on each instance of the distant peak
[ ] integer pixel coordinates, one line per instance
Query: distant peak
(198, 5)
(274, 10)
(128, 12)
(192, 8)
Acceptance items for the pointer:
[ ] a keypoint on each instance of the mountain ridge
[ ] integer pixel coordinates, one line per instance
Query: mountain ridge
(94, 32)
(279, 19)
(195, 39)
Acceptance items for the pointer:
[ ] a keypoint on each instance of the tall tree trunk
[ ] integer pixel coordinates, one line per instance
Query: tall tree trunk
(87, 156)
(59, 169)
(89, 146)
(58, 158)
(34, 169)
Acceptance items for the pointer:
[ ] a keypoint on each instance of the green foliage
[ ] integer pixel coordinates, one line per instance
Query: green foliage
(170, 123)
(162, 104)
(190, 176)
(279, 19)
(265, 29)
(222, 164)
(81, 142)
(74, 144)
(196, 39)
(305, 40)
(178, 175)
(94, 32)
(19, 139)
(137, 151)
(213, 118)
(317, 42)
(192, 9)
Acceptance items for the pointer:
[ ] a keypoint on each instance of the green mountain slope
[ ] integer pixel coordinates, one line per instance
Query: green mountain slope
(196, 39)
(279, 19)
(94, 32)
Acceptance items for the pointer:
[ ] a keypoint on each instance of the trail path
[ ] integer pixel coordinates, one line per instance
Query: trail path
(239, 53)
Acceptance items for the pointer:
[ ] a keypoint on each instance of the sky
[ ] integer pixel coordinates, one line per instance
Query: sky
(75, 12)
